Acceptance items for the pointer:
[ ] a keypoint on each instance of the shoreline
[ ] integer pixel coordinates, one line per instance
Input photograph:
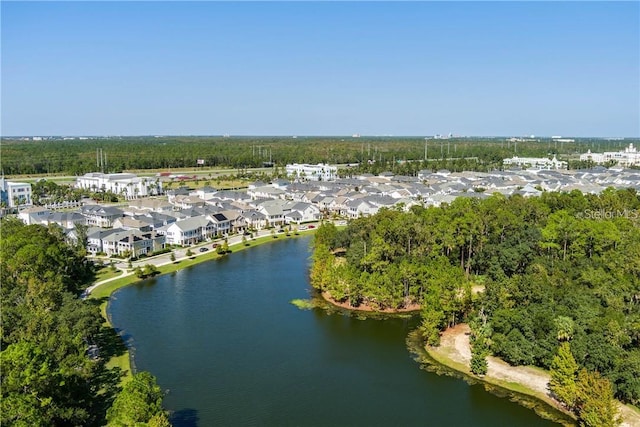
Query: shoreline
(454, 352)
(105, 289)
(412, 308)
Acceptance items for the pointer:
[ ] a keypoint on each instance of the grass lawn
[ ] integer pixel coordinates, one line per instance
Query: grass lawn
(105, 273)
(202, 182)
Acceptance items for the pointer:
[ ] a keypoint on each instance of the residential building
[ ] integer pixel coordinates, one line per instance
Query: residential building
(151, 204)
(14, 194)
(266, 192)
(535, 162)
(188, 202)
(188, 231)
(205, 193)
(255, 219)
(100, 216)
(34, 215)
(273, 211)
(222, 225)
(140, 223)
(94, 239)
(319, 172)
(132, 242)
(630, 156)
(126, 184)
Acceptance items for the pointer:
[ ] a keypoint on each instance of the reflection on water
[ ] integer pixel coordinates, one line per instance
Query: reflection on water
(229, 346)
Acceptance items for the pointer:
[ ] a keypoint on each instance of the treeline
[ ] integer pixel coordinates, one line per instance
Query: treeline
(527, 272)
(54, 345)
(76, 157)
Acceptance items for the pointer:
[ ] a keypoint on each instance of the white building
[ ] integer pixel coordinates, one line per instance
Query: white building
(188, 231)
(34, 215)
(119, 242)
(15, 194)
(319, 172)
(628, 157)
(535, 162)
(126, 184)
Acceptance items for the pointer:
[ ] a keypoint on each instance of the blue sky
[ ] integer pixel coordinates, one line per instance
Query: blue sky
(320, 68)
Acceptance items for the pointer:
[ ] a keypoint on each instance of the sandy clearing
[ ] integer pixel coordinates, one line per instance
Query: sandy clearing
(454, 345)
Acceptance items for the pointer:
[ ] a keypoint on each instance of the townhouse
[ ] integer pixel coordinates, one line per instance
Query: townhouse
(188, 231)
(100, 216)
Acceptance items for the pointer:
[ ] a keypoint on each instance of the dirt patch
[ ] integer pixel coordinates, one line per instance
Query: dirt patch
(366, 308)
(454, 345)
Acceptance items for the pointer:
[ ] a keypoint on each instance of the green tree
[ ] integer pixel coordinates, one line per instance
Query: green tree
(140, 401)
(595, 404)
(159, 420)
(147, 270)
(478, 364)
(28, 381)
(564, 371)
(47, 377)
(564, 326)
(172, 257)
(480, 342)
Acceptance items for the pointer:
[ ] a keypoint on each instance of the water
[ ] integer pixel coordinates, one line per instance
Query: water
(225, 341)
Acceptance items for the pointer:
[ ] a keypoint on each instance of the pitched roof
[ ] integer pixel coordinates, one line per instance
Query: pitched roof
(191, 223)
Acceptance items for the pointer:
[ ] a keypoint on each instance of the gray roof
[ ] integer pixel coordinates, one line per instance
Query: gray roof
(101, 210)
(192, 223)
(101, 233)
(254, 215)
(294, 215)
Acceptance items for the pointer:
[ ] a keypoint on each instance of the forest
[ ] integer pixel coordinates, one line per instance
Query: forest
(542, 280)
(50, 376)
(402, 155)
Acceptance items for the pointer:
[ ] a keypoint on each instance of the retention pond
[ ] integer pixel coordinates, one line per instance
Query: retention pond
(225, 341)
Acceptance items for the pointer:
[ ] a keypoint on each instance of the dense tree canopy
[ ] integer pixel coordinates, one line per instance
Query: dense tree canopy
(375, 154)
(139, 403)
(48, 378)
(549, 270)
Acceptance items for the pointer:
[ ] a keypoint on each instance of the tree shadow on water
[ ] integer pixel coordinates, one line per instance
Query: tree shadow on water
(187, 417)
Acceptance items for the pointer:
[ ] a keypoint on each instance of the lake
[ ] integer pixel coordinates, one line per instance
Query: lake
(223, 338)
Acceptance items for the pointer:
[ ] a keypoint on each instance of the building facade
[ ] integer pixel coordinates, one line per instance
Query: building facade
(15, 194)
(539, 163)
(125, 184)
(319, 172)
(630, 156)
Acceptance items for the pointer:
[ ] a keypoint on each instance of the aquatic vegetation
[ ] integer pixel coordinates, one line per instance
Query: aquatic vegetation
(304, 304)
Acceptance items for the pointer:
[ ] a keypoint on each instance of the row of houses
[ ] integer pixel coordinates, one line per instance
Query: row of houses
(229, 212)
(189, 216)
(121, 242)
